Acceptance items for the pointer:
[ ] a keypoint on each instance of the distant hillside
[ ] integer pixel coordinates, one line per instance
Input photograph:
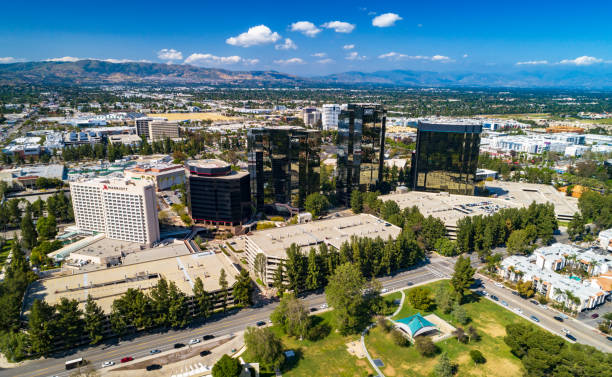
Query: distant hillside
(100, 72)
(88, 72)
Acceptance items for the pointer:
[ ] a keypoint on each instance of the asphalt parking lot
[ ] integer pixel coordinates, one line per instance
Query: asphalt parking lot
(586, 316)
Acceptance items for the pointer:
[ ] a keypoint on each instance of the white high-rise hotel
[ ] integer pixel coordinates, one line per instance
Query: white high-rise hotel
(123, 209)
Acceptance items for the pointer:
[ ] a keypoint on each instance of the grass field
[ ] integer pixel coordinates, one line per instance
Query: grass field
(490, 321)
(191, 116)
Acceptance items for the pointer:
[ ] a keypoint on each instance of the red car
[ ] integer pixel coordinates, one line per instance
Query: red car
(594, 315)
(127, 359)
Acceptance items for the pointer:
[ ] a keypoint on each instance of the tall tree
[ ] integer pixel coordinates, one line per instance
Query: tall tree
(224, 289)
(28, 233)
(226, 367)
(344, 293)
(278, 278)
(292, 316)
(69, 321)
(265, 347)
(40, 328)
(94, 321)
(243, 289)
(294, 266)
(463, 276)
(313, 277)
(202, 299)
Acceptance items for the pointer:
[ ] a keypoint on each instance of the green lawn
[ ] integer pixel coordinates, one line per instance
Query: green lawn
(326, 357)
(490, 321)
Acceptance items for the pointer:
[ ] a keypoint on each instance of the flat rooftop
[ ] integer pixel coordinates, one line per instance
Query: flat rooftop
(107, 284)
(449, 207)
(274, 242)
(525, 193)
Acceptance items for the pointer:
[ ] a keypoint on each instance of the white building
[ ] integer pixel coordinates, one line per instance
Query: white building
(605, 239)
(122, 209)
(556, 256)
(552, 285)
(329, 116)
(311, 116)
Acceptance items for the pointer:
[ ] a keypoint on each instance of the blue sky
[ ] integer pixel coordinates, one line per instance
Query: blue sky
(324, 36)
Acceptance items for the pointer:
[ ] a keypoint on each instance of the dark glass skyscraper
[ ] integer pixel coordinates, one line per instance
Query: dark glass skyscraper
(446, 157)
(361, 149)
(284, 165)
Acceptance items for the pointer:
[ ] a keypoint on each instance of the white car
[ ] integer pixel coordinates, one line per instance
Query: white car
(323, 306)
(108, 364)
(518, 310)
(565, 330)
(194, 341)
(384, 290)
(500, 285)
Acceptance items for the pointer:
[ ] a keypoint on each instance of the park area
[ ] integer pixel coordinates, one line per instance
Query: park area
(485, 316)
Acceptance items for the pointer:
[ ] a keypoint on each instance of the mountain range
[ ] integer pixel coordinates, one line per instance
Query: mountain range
(92, 72)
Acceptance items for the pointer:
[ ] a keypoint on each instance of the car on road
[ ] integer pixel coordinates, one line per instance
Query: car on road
(155, 351)
(384, 290)
(570, 337)
(260, 323)
(208, 337)
(536, 319)
(609, 338)
(194, 341)
(534, 302)
(205, 353)
(515, 293)
(558, 318)
(518, 310)
(408, 284)
(153, 367)
(594, 315)
(565, 330)
(500, 285)
(313, 309)
(127, 359)
(108, 364)
(179, 345)
(504, 303)
(493, 297)
(323, 306)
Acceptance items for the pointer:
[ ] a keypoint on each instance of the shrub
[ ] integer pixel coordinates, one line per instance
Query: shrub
(419, 298)
(477, 357)
(399, 338)
(318, 332)
(460, 335)
(460, 315)
(425, 346)
(383, 324)
(473, 334)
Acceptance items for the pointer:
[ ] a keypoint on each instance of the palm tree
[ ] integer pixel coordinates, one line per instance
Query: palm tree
(560, 293)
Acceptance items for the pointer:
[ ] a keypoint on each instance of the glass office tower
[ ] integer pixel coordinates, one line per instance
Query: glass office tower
(360, 149)
(446, 157)
(284, 165)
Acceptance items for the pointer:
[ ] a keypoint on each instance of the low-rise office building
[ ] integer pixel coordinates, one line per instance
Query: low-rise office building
(163, 175)
(123, 209)
(273, 243)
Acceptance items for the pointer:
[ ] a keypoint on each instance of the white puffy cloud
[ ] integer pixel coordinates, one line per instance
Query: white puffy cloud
(209, 59)
(348, 47)
(386, 20)
(394, 56)
(290, 61)
(65, 59)
(582, 60)
(319, 54)
(533, 62)
(339, 26)
(325, 61)
(305, 27)
(354, 56)
(288, 45)
(169, 54)
(441, 58)
(9, 59)
(256, 35)
(465, 56)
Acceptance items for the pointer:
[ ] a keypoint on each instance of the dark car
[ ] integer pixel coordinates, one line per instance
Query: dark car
(313, 309)
(179, 345)
(153, 367)
(493, 297)
(204, 353)
(535, 318)
(594, 315)
(208, 337)
(260, 323)
(127, 359)
(515, 293)
(534, 302)
(609, 338)
(409, 283)
(570, 337)
(558, 318)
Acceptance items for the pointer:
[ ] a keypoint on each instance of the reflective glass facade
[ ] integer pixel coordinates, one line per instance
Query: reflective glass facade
(284, 165)
(446, 157)
(361, 146)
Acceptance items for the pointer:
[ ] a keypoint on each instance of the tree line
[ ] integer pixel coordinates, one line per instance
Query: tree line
(594, 208)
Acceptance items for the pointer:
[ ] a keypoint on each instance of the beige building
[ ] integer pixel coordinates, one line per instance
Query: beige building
(163, 175)
(161, 129)
(123, 209)
(273, 243)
